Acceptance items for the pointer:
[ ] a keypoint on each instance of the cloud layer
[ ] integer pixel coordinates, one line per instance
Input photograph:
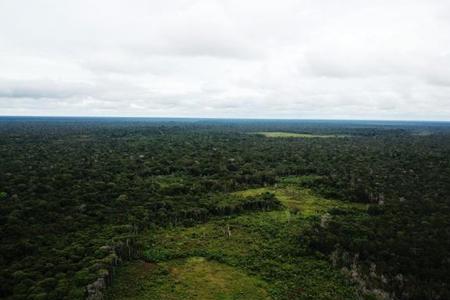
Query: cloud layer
(203, 58)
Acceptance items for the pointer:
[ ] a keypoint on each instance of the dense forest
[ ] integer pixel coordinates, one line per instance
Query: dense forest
(77, 194)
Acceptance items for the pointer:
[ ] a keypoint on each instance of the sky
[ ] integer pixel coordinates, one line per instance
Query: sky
(299, 59)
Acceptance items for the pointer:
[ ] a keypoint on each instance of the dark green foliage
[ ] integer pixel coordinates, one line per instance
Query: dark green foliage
(69, 187)
(407, 239)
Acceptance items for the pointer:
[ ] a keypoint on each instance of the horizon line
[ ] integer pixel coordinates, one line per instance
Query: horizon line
(224, 118)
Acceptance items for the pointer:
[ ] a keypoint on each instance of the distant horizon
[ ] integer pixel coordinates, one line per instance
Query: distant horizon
(223, 118)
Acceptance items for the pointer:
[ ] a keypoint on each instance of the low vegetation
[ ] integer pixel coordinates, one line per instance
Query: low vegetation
(191, 278)
(279, 134)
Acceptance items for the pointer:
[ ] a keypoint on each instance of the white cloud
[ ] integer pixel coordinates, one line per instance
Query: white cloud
(278, 59)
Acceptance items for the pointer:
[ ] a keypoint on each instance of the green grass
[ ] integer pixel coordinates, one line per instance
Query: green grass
(261, 258)
(167, 180)
(191, 278)
(281, 134)
(302, 199)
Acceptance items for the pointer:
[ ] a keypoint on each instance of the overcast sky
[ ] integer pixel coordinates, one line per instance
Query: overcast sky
(327, 59)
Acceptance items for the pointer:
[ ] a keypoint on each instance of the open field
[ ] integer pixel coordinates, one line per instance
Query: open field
(302, 199)
(191, 278)
(280, 134)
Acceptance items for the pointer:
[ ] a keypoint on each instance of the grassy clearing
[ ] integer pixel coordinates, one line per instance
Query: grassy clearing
(281, 134)
(168, 180)
(302, 199)
(256, 256)
(192, 278)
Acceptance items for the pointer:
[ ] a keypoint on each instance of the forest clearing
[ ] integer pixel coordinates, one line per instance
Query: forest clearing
(279, 134)
(257, 249)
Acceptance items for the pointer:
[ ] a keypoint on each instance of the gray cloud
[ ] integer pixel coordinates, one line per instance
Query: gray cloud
(40, 88)
(278, 59)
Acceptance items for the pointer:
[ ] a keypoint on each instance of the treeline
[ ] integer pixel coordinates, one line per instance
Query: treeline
(165, 214)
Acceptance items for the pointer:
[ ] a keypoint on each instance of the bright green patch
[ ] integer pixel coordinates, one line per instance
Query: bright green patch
(300, 180)
(294, 197)
(169, 180)
(280, 134)
(192, 278)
